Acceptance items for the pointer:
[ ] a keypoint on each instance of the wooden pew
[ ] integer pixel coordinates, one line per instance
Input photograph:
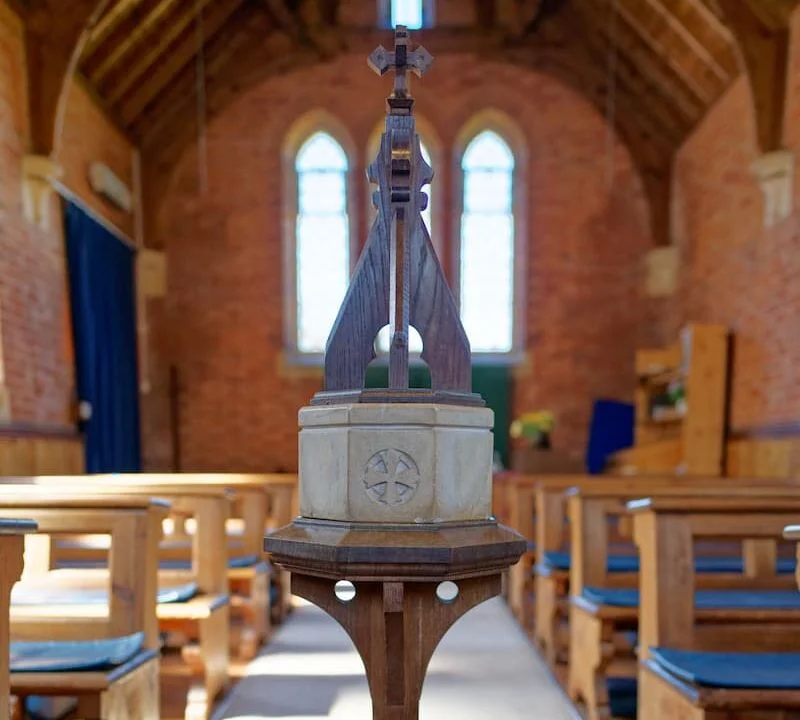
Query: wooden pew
(12, 534)
(248, 572)
(262, 503)
(513, 505)
(204, 612)
(553, 535)
(125, 610)
(723, 667)
(603, 618)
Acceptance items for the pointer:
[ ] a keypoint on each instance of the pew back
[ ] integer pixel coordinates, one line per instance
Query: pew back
(665, 530)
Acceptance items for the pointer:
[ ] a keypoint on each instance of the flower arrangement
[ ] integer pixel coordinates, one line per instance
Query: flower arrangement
(534, 427)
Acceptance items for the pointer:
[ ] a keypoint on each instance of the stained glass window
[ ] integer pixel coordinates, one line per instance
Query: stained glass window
(322, 239)
(487, 244)
(408, 13)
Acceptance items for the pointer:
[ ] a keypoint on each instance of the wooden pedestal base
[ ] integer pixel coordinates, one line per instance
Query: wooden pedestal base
(395, 627)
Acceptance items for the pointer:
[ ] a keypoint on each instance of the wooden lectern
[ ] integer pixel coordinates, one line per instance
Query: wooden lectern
(396, 538)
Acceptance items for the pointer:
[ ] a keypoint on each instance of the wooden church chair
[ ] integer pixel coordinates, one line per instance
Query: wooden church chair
(100, 645)
(723, 667)
(604, 615)
(193, 604)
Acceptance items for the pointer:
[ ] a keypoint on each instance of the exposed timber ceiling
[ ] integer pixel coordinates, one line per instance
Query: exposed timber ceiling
(672, 58)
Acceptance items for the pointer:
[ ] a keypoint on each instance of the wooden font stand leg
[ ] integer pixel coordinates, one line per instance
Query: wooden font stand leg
(396, 627)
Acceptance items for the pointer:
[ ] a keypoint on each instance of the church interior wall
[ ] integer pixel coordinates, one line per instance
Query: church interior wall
(587, 233)
(734, 271)
(36, 344)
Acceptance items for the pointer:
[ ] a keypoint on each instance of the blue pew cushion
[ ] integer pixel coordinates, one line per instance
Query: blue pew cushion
(235, 563)
(560, 560)
(53, 594)
(65, 656)
(745, 671)
(622, 694)
(704, 599)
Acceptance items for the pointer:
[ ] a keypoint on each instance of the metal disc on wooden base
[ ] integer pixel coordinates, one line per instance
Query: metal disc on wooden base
(396, 538)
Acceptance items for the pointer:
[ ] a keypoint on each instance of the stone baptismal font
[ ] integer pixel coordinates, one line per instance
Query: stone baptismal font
(396, 538)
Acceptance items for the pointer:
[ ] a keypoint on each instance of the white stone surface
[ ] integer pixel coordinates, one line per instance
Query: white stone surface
(395, 462)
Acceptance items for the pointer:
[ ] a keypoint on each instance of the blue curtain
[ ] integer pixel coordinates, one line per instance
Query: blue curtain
(103, 300)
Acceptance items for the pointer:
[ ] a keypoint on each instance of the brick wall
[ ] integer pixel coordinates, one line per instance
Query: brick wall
(34, 315)
(585, 245)
(733, 271)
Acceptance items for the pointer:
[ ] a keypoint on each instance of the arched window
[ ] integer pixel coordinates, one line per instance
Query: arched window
(414, 14)
(486, 256)
(322, 245)
(407, 12)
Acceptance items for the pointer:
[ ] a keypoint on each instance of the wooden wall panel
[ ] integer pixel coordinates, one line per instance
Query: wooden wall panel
(763, 457)
(34, 453)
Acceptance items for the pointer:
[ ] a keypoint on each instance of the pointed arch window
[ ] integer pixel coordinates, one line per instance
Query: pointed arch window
(322, 239)
(414, 14)
(487, 244)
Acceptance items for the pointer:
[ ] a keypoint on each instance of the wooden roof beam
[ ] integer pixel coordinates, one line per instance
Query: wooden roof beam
(219, 14)
(661, 79)
(689, 39)
(154, 54)
(121, 49)
(106, 24)
(765, 48)
(657, 107)
(227, 55)
(687, 78)
(55, 35)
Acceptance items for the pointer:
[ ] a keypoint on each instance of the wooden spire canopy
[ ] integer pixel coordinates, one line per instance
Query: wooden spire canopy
(398, 278)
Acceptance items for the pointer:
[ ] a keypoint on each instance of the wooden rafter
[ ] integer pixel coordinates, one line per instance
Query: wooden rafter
(229, 53)
(158, 81)
(765, 48)
(139, 33)
(663, 55)
(140, 65)
(106, 24)
(55, 37)
(689, 39)
(631, 45)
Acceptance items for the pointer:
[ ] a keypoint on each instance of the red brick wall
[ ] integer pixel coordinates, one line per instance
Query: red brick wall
(733, 271)
(34, 317)
(585, 247)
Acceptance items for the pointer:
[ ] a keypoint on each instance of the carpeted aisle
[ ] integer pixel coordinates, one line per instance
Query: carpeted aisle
(484, 668)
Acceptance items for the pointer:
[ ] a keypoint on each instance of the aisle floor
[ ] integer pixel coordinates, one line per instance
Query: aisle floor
(484, 668)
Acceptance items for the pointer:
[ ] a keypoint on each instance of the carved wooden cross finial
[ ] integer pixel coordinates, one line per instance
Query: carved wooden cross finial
(401, 60)
(398, 277)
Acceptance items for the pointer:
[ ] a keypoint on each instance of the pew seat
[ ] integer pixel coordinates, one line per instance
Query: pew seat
(715, 600)
(68, 588)
(70, 655)
(560, 560)
(694, 685)
(110, 691)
